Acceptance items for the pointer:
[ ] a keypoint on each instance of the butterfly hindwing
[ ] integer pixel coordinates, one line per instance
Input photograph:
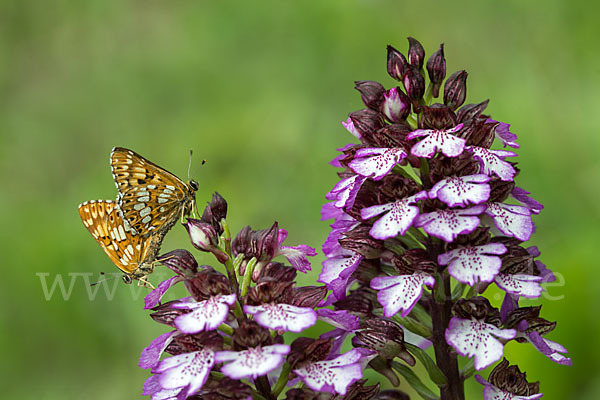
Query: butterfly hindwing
(127, 250)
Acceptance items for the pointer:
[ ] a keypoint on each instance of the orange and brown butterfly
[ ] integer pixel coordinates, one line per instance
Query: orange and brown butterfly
(151, 198)
(130, 252)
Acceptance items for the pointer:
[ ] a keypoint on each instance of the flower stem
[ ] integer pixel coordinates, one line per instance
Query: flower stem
(283, 379)
(446, 359)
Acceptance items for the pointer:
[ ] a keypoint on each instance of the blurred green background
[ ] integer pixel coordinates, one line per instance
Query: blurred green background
(258, 89)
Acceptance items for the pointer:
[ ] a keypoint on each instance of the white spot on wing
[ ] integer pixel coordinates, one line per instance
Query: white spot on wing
(162, 199)
(146, 219)
(122, 232)
(139, 206)
(145, 211)
(144, 198)
(169, 187)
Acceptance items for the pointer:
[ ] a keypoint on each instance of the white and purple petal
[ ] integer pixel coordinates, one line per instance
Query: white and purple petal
(206, 315)
(520, 284)
(398, 218)
(254, 362)
(153, 389)
(511, 220)
(473, 264)
(442, 140)
(492, 162)
(284, 317)
(400, 293)
(460, 191)
(153, 298)
(491, 392)
(376, 162)
(349, 125)
(448, 224)
(344, 192)
(550, 349)
(337, 270)
(522, 196)
(186, 370)
(336, 161)
(296, 255)
(341, 319)
(150, 356)
(545, 272)
(333, 376)
(503, 134)
(474, 338)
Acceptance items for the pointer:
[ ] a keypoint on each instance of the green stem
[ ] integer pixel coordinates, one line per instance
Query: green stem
(247, 276)
(283, 380)
(226, 329)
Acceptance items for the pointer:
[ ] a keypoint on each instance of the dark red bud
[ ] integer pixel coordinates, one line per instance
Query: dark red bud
(436, 68)
(371, 93)
(396, 63)
(416, 53)
(414, 83)
(455, 89)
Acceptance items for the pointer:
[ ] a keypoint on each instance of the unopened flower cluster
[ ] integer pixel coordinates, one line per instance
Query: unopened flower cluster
(225, 340)
(427, 215)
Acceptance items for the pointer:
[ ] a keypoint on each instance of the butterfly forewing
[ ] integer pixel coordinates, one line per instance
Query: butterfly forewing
(127, 250)
(151, 198)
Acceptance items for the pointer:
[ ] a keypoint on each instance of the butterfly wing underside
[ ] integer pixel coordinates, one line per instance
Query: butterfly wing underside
(103, 220)
(151, 198)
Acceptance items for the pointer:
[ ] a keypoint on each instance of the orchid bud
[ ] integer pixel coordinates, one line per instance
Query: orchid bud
(436, 68)
(371, 93)
(455, 90)
(396, 63)
(395, 105)
(416, 53)
(414, 83)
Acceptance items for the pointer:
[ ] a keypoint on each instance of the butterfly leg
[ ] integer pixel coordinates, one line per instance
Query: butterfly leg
(144, 283)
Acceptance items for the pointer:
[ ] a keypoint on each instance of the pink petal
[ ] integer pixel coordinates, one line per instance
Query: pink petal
(511, 220)
(207, 315)
(400, 293)
(376, 162)
(473, 264)
(435, 140)
(399, 218)
(473, 338)
(460, 191)
(333, 376)
(448, 224)
(283, 317)
(254, 362)
(492, 162)
(520, 284)
(186, 369)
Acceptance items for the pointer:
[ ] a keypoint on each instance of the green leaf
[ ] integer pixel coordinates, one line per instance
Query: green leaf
(413, 325)
(468, 370)
(414, 381)
(458, 291)
(421, 315)
(436, 375)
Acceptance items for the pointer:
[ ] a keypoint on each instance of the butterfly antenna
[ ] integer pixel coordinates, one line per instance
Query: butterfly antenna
(102, 280)
(190, 166)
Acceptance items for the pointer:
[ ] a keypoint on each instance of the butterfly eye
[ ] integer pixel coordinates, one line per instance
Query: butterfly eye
(127, 279)
(194, 185)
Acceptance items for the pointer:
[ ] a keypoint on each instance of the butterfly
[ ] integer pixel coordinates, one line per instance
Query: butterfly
(130, 252)
(151, 198)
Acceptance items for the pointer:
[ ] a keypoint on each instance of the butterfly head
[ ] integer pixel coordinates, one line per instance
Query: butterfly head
(127, 279)
(193, 185)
